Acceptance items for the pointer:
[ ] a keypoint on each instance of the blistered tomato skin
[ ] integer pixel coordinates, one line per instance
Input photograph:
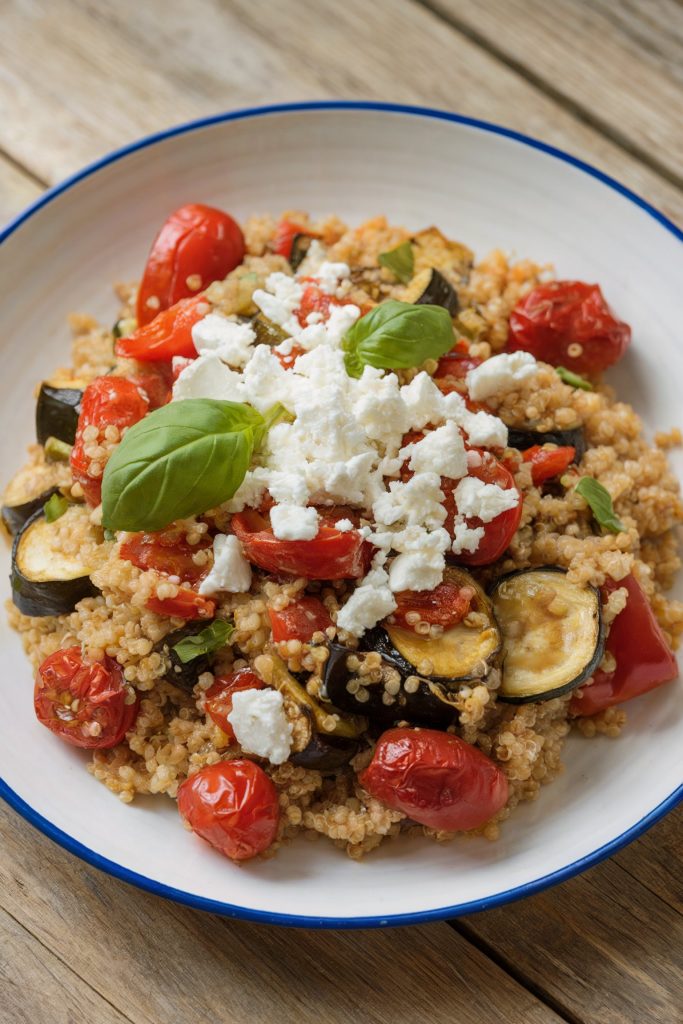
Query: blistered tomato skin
(435, 778)
(498, 533)
(168, 336)
(85, 704)
(218, 698)
(568, 323)
(299, 620)
(233, 805)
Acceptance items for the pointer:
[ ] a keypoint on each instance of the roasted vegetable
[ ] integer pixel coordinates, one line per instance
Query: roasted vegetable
(325, 753)
(44, 580)
(57, 409)
(418, 677)
(301, 243)
(430, 287)
(267, 332)
(21, 499)
(184, 673)
(523, 438)
(552, 633)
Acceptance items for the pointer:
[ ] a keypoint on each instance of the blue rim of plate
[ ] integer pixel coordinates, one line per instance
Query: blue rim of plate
(263, 916)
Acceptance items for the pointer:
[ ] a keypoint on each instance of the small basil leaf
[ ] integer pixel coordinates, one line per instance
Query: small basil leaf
(600, 503)
(573, 379)
(400, 261)
(397, 335)
(179, 461)
(210, 639)
(55, 507)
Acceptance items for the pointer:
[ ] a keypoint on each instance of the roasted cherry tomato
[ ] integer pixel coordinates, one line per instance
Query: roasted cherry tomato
(299, 620)
(185, 605)
(456, 364)
(168, 552)
(178, 364)
(568, 323)
(287, 361)
(196, 245)
(168, 335)
(233, 805)
(156, 384)
(315, 300)
(285, 233)
(332, 555)
(548, 461)
(107, 401)
(644, 658)
(444, 606)
(85, 704)
(500, 531)
(435, 778)
(218, 698)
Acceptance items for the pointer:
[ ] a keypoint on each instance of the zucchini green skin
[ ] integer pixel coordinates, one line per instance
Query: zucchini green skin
(15, 516)
(57, 412)
(522, 439)
(48, 597)
(591, 664)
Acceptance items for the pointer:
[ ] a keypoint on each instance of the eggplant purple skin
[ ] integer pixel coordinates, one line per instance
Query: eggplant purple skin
(57, 411)
(325, 753)
(184, 674)
(49, 597)
(522, 439)
(590, 668)
(439, 292)
(16, 516)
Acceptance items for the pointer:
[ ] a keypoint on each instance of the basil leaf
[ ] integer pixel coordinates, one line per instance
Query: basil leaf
(397, 335)
(573, 379)
(55, 507)
(400, 261)
(210, 639)
(180, 460)
(600, 504)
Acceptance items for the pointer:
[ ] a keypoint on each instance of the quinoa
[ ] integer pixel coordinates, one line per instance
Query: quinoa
(174, 735)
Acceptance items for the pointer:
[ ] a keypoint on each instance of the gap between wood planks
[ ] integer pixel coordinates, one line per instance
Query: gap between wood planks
(546, 85)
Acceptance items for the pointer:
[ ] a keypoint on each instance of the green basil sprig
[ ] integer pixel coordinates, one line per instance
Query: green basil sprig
(573, 379)
(600, 503)
(400, 261)
(179, 461)
(210, 639)
(397, 335)
(55, 507)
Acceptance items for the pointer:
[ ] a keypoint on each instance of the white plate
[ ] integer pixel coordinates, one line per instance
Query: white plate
(484, 185)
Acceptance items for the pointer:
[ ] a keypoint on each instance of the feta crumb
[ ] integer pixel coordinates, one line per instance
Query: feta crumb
(292, 522)
(423, 401)
(260, 724)
(500, 373)
(417, 502)
(485, 501)
(485, 430)
(343, 525)
(231, 341)
(209, 377)
(421, 564)
(280, 300)
(371, 601)
(466, 538)
(231, 571)
(442, 451)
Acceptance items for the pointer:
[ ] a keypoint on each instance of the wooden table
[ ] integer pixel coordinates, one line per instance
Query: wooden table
(601, 79)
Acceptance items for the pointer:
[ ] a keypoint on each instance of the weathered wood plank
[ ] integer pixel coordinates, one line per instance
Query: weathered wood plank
(36, 988)
(619, 66)
(656, 860)
(599, 947)
(156, 961)
(81, 77)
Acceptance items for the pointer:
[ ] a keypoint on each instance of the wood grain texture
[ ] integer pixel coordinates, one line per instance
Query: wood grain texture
(656, 860)
(83, 76)
(160, 962)
(617, 65)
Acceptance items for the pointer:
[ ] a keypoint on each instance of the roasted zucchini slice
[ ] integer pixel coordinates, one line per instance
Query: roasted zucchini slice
(552, 633)
(430, 287)
(267, 333)
(522, 438)
(301, 243)
(45, 581)
(57, 409)
(27, 493)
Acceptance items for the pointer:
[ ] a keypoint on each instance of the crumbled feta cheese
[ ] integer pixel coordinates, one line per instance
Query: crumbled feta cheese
(441, 451)
(485, 430)
(500, 373)
(343, 525)
(466, 538)
(371, 601)
(291, 522)
(260, 725)
(231, 571)
(287, 488)
(423, 401)
(421, 563)
(331, 276)
(231, 341)
(417, 502)
(313, 260)
(209, 377)
(280, 300)
(485, 501)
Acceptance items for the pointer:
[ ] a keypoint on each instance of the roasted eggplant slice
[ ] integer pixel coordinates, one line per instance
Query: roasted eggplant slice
(44, 580)
(430, 287)
(552, 633)
(325, 753)
(301, 243)
(522, 438)
(57, 409)
(22, 499)
(184, 674)
(325, 720)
